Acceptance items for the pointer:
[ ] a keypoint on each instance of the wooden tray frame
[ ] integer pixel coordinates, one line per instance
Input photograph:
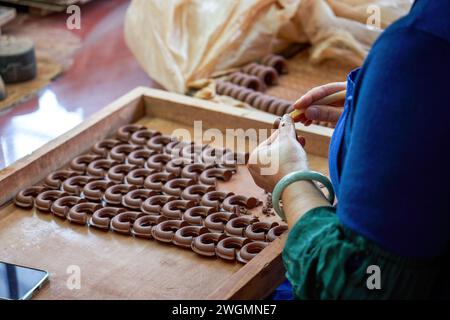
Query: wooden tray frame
(262, 274)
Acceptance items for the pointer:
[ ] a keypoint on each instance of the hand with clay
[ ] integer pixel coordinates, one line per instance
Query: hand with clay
(321, 113)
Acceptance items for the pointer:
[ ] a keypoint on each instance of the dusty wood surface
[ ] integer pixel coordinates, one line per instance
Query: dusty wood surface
(114, 266)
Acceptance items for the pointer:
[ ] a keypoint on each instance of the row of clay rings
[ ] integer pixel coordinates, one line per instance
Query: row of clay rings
(267, 75)
(255, 99)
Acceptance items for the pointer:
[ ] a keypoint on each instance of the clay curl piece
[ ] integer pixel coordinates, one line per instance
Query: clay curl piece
(174, 210)
(158, 143)
(141, 137)
(210, 176)
(268, 75)
(193, 171)
(75, 185)
(62, 206)
(54, 180)
(135, 198)
(101, 219)
(25, 198)
(184, 236)
(176, 166)
(175, 147)
(79, 214)
(237, 226)
(233, 203)
(44, 200)
(175, 187)
(247, 81)
(250, 250)
(258, 230)
(196, 192)
(94, 190)
(277, 62)
(156, 181)
(137, 176)
(205, 244)
(139, 157)
(103, 148)
(228, 248)
(124, 133)
(195, 215)
(157, 161)
(276, 232)
(98, 168)
(123, 222)
(142, 227)
(117, 173)
(121, 152)
(153, 205)
(79, 164)
(216, 222)
(114, 194)
(165, 231)
(215, 198)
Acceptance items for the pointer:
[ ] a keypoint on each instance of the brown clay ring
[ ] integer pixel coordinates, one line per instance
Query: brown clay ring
(176, 166)
(141, 137)
(247, 81)
(192, 151)
(193, 171)
(228, 248)
(118, 172)
(277, 62)
(61, 206)
(175, 187)
(135, 198)
(25, 198)
(165, 231)
(79, 213)
(205, 244)
(142, 227)
(54, 180)
(157, 180)
(215, 198)
(158, 143)
(138, 176)
(157, 161)
(196, 192)
(237, 226)
(234, 202)
(174, 210)
(250, 250)
(103, 148)
(101, 219)
(44, 200)
(216, 222)
(195, 215)
(210, 176)
(75, 185)
(123, 222)
(258, 230)
(94, 190)
(99, 167)
(121, 152)
(174, 148)
(114, 194)
(184, 236)
(153, 205)
(276, 232)
(124, 133)
(79, 164)
(139, 157)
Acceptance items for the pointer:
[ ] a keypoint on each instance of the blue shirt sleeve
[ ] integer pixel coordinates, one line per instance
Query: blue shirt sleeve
(395, 180)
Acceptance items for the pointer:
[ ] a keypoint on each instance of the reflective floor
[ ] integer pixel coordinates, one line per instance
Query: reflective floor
(103, 70)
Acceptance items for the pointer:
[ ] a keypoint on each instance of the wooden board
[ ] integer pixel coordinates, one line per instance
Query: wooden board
(114, 266)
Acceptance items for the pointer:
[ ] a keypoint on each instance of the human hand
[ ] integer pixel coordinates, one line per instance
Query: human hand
(278, 156)
(321, 113)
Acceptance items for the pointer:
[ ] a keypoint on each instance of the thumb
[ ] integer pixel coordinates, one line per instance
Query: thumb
(323, 113)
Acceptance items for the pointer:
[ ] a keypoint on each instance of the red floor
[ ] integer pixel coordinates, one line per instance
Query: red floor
(104, 69)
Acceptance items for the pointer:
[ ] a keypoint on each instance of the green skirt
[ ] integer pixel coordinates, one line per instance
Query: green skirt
(325, 260)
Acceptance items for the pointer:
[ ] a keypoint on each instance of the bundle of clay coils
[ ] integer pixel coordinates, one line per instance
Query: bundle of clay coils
(248, 84)
(141, 183)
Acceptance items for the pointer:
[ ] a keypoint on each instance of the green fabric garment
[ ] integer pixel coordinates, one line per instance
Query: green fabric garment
(325, 260)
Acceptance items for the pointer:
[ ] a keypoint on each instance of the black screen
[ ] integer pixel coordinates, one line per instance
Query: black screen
(17, 281)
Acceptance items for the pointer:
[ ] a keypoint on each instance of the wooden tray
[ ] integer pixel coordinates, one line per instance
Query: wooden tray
(118, 267)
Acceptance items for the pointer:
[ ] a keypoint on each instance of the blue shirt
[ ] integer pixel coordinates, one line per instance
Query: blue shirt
(389, 157)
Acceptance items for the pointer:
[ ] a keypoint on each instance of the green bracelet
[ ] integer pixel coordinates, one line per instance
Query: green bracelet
(299, 176)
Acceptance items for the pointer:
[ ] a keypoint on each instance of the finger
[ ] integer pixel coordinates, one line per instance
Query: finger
(323, 113)
(319, 93)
